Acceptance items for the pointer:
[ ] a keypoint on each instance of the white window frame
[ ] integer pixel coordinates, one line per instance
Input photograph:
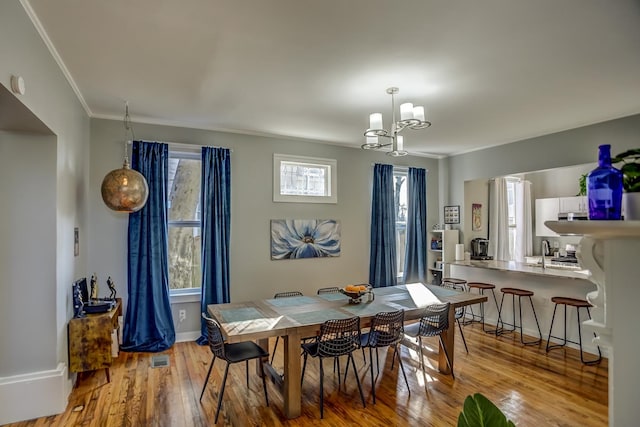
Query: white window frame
(331, 180)
(185, 294)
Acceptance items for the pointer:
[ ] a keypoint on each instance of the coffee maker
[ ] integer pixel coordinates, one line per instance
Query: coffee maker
(480, 249)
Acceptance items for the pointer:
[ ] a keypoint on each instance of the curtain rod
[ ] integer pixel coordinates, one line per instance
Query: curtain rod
(399, 166)
(180, 145)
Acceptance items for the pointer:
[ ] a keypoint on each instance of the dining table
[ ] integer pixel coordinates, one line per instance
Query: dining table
(296, 318)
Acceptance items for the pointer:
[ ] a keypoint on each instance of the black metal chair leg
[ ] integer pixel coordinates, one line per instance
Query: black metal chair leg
(207, 379)
(539, 340)
(355, 373)
(396, 354)
(393, 359)
(246, 368)
(553, 316)
(275, 346)
(464, 341)
(373, 382)
(321, 389)
(224, 383)
(304, 366)
(587, 362)
(264, 382)
(421, 356)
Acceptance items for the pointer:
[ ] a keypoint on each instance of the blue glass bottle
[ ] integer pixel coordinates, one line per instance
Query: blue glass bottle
(604, 188)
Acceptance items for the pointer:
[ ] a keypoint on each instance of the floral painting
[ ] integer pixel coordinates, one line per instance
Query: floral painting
(304, 238)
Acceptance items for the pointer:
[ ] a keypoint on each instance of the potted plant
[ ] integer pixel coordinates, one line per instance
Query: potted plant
(479, 411)
(630, 167)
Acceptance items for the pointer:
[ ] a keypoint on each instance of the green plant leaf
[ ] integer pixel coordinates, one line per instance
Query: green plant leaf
(582, 183)
(478, 411)
(630, 168)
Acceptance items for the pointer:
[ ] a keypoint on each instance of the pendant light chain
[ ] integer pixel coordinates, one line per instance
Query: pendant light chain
(127, 128)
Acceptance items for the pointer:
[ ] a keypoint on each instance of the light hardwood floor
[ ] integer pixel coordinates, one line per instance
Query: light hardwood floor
(532, 387)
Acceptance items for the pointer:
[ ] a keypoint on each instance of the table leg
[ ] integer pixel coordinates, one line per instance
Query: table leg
(292, 374)
(448, 340)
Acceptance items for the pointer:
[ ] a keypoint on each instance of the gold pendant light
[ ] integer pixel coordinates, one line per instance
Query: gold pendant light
(125, 189)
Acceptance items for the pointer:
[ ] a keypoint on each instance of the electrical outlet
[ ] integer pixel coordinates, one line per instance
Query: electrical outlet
(182, 314)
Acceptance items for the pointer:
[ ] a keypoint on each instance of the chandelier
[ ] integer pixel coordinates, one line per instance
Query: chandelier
(125, 189)
(410, 118)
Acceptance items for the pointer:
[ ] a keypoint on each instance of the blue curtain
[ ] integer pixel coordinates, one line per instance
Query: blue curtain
(382, 261)
(216, 226)
(148, 322)
(415, 260)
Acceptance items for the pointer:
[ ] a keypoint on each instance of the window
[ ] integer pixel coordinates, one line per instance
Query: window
(511, 207)
(185, 271)
(400, 201)
(304, 179)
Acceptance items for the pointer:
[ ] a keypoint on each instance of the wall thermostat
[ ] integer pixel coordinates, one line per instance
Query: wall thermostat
(17, 85)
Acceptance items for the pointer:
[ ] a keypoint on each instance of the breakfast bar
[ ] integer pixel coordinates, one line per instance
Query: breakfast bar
(546, 283)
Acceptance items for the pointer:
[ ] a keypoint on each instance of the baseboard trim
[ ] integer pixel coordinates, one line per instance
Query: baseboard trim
(47, 393)
(187, 336)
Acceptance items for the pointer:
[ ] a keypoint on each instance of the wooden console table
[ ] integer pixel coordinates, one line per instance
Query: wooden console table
(89, 340)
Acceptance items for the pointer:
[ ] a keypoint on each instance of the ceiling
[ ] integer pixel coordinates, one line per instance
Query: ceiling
(488, 72)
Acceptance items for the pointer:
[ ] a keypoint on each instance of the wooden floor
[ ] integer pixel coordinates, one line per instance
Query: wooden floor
(531, 387)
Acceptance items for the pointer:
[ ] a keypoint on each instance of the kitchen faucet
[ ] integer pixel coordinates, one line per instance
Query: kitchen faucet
(545, 249)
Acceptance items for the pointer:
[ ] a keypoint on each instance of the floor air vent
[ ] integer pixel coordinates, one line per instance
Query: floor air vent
(159, 361)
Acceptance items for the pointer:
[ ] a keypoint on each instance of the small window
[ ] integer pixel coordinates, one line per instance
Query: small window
(304, 179)
(184, 222)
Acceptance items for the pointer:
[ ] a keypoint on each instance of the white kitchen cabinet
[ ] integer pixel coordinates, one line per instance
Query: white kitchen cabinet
(546, 210)
(573, 204)
(549, 208)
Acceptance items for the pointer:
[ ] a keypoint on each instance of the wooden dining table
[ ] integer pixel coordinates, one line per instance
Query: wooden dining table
(295, 318)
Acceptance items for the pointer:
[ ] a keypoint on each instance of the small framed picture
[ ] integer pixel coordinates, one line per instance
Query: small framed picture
(452, 214)
(476, 217)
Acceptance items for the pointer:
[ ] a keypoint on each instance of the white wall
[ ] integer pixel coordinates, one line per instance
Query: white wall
(253, 274)
(62, 198)
(27, 238)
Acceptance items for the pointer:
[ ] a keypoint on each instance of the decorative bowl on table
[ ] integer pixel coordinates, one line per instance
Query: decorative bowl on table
(355, 292)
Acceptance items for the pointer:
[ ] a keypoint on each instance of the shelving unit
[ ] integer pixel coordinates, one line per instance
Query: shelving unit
(441, 253)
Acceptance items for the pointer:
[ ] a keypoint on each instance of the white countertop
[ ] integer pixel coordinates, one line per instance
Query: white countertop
(520, 267)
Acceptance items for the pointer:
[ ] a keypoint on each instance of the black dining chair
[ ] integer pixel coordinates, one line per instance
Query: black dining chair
(283, 295)
(460, 311)
(338, 337)
(434, 321)
(329, 290)
(386, 330)
(231, 353)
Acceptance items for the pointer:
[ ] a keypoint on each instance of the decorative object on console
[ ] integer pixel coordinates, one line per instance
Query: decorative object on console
(125, 189)
(112, 288)
(604, 188)
(630, 169)
(304, 238)
(77, 300)
(94, 288)
(410, 118)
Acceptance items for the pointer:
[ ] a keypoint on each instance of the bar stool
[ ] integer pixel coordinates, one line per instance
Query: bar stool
(481, 287)
(460, 285)
(578, 304)
(519, 293)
